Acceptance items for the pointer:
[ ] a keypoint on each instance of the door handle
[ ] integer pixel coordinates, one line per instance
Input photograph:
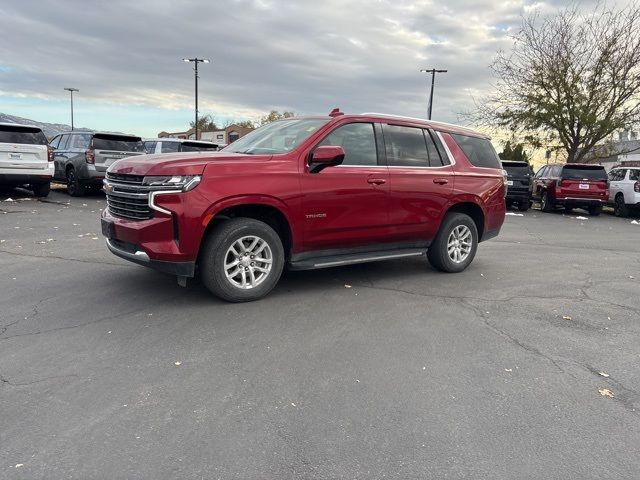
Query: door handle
(440, 181)
(376, 181)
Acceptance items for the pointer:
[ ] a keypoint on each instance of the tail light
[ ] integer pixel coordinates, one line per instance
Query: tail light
(636, 187)
(49, 153)
(90, 156)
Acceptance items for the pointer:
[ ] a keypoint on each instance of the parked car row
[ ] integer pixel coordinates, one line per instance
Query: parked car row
(77, 159)
(573, 186)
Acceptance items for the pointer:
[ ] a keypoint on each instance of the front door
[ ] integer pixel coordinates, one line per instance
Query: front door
(348, 205)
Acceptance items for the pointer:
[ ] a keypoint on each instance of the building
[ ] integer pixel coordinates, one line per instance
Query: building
(229, 135)
(222, 137)
(625, 151)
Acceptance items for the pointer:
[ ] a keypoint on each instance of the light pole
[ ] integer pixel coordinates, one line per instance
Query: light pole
(196, 61)
(433, 72)
(71, 90)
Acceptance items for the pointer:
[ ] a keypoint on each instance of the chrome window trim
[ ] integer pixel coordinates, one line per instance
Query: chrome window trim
(452, 160)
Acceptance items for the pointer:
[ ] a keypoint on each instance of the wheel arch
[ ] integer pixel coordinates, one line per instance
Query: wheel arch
(473, 210)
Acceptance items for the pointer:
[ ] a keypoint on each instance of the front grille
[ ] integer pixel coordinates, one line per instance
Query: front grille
(127, 197)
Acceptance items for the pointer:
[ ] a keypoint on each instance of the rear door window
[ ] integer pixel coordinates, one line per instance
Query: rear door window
(22, 135)
(168, 147)
(406, 146)
(583, 172)
(118, 143)
(150, 147)
(479, 151)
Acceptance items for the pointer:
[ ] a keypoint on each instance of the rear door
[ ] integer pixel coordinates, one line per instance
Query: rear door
(60, 157)
(22, 148)
(583, 181)
(420, 182)
(109, 148)
(616, 182)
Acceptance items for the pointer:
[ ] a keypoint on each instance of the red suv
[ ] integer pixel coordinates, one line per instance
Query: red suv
(572, 185)
(310, 192)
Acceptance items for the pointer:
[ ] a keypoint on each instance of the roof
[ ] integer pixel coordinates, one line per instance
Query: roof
(10, 124)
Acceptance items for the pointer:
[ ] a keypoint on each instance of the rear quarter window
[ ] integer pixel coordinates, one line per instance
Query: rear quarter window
(479, 151)
(634, 175)
(22, 135)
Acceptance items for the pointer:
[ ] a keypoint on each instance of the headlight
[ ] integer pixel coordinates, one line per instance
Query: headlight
(176, 182)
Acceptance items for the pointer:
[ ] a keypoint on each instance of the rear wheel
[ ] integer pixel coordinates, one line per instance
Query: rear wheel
(455, 245)
(41, 189)
(620, 208)
(74, 187)
(595, 211)
(242, 260)
(568, 209)
(545, 203)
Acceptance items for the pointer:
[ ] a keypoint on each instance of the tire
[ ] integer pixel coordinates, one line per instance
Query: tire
(74, 187)
(568, 209)
(454, 225)
(239, 234)
(524, 206)
(545, 204)
(509, 203)
(41, 190)
(620, 208)
(595, 211)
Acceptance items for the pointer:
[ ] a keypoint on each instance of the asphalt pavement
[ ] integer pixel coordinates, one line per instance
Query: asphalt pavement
(526, 365)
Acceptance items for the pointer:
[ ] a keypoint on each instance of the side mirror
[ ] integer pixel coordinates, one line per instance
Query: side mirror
(325, 156)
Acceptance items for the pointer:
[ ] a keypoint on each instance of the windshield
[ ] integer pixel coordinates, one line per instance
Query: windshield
(277, 137)
(518, 169)
(583, 172)
(118, 143)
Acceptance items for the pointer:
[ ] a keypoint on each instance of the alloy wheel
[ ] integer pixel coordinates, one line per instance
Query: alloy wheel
(248, 262)
(459, 243)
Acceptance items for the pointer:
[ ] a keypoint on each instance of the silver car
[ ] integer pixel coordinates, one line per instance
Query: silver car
(82, 158)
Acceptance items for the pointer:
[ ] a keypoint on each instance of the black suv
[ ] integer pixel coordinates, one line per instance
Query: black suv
(519, 184)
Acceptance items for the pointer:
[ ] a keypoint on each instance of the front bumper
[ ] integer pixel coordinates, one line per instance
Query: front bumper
(130, 252)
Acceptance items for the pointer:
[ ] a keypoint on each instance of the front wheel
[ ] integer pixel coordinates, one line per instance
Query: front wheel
(74, 187)
(595, 211)
(545, 203)
(242, 260)
(523, 206)
(41, 190)
(620, 208)
(455, 245)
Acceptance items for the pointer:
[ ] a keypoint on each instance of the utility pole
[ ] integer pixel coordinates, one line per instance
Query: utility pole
(71, 90)
(196, 61)
(433, 72)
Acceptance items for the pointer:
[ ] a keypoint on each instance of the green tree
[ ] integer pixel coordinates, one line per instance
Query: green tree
(275, 115)
(206, 123)
(571, 80)
(516, 153)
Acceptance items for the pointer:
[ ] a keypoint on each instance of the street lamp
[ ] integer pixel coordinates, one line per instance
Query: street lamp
(196, 61)
(71, 90)
(433, 72)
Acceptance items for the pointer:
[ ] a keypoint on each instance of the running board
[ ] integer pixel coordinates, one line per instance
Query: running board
(352, 258)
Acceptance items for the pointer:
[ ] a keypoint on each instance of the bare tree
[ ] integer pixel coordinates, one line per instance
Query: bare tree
(571, 79)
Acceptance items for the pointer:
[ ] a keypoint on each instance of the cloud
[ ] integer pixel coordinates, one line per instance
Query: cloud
(309, 57)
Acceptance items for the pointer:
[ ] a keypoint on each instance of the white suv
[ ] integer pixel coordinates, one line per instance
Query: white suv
(25, 158)
(624, 189)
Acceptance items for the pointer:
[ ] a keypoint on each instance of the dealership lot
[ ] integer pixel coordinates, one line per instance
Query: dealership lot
(387, 370)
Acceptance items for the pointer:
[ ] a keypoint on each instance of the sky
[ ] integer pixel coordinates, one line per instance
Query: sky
(125, 57)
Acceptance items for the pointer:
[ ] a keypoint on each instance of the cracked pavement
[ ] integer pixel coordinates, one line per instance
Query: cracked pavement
(408, 374)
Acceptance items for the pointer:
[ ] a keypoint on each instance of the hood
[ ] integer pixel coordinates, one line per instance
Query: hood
(190, 163)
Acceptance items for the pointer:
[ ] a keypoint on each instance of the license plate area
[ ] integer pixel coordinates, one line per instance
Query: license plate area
(15, 156)
(584, 186)
(108, 228)
(510, 183)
